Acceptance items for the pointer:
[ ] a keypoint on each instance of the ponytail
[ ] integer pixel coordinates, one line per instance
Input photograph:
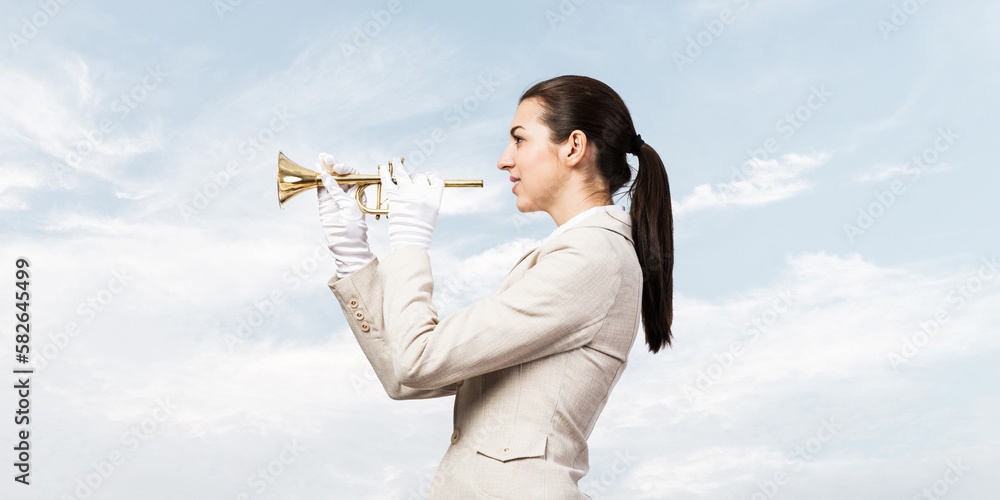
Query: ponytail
(580, 103)
(653, 234)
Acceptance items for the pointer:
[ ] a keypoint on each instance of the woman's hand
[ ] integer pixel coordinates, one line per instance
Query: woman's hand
(343, 222)
(413, 207)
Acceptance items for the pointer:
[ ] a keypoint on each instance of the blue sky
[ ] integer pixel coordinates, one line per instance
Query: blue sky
(835, 299)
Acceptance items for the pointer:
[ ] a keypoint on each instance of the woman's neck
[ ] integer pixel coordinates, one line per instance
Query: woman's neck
(567, 211)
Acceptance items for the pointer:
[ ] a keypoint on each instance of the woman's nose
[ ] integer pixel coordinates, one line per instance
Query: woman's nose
(506, 160)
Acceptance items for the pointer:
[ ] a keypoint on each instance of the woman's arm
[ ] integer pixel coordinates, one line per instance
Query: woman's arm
(559, 304)
(360, 296)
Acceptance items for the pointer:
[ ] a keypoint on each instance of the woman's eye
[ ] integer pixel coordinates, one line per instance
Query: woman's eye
(517, 139)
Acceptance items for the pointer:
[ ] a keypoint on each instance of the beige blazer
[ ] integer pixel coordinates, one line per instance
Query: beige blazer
(531, 367)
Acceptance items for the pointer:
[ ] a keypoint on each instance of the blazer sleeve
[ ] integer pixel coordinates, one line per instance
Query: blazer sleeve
(559, 304)
(361, 292)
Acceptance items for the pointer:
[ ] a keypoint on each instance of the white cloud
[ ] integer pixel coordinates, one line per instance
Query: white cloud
(465, 201)
(299, 375)
(916, 90)
(38, 113)
(14, 180)
(466, 280)
(823, 358)
(885, 172)
(760, 182)
(58, 120)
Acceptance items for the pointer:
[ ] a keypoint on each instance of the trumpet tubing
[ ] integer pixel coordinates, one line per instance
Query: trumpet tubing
(294, 179)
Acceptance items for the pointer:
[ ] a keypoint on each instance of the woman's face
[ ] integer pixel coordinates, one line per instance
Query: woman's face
(531, 160)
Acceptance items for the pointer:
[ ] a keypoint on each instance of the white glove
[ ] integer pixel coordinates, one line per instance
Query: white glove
(343, 222)
(413, 207)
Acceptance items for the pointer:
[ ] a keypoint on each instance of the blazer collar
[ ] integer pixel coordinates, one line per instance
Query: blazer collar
(618, 221)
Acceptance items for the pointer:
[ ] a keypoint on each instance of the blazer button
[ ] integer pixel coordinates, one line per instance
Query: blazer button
(365, 327)
(455, 436)
(353, 303)
(359, 314)
(505, 450)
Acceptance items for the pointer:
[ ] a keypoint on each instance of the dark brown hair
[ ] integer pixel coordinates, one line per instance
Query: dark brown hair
(580, 103)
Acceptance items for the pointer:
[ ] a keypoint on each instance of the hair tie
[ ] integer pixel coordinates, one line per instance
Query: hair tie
(636, 145)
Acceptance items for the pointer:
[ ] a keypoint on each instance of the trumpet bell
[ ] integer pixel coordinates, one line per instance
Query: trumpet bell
(294, 179)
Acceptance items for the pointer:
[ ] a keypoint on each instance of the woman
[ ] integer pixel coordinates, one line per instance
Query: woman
(532, 366)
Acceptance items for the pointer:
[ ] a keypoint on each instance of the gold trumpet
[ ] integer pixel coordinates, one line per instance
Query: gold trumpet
(294, 179)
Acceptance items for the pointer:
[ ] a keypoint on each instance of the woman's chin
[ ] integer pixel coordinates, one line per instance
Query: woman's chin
(525, 207)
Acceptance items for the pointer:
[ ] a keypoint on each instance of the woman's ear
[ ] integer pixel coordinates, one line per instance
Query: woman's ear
(575, 148)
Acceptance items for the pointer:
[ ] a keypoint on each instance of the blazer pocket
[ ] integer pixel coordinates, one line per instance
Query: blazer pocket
(517, 443)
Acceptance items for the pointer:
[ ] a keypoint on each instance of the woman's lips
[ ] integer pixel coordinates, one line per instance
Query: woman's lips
(515, 187)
